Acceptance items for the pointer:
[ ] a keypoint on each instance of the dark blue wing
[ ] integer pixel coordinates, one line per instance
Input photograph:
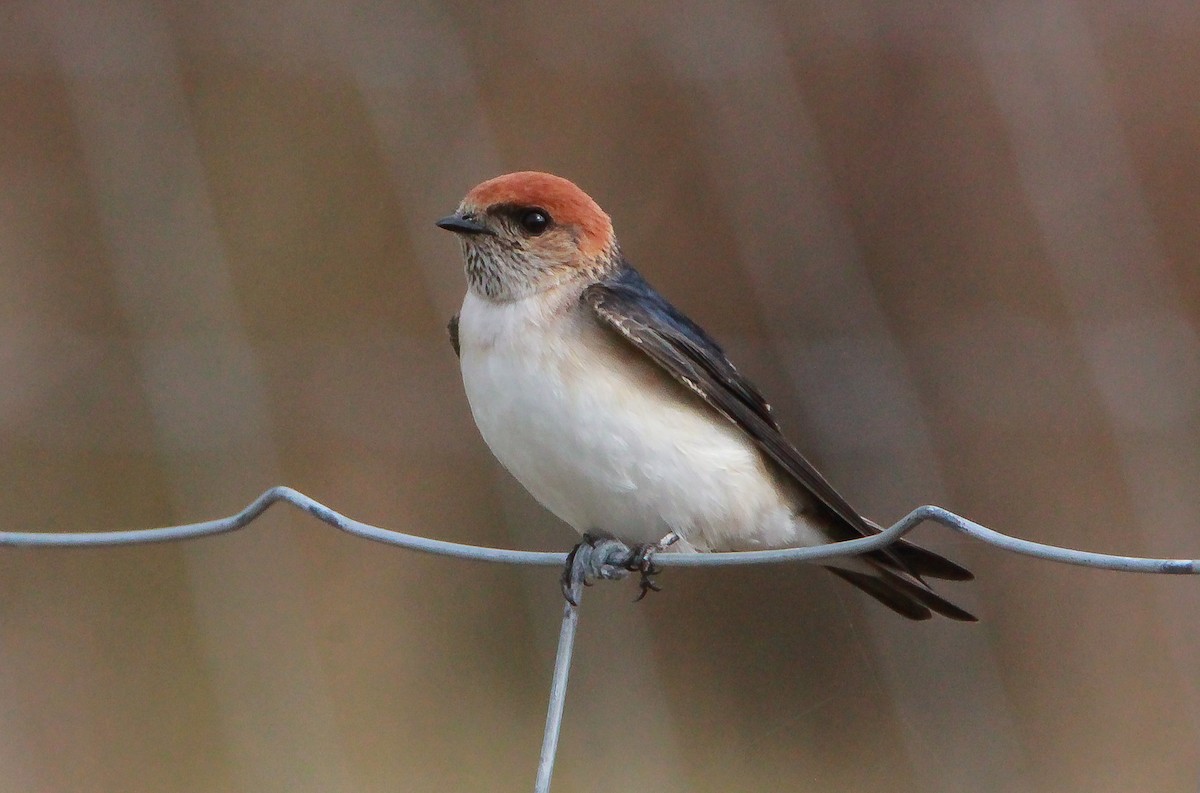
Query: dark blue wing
(629, 305)
(452, 329)
(643, 316)
(626, 296)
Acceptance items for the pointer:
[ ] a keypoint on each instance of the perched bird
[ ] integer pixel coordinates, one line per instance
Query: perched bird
(621, 415)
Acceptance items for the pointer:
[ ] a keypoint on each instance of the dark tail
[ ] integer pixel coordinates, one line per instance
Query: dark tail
(917, 560)
(906, 594)
(924, 562)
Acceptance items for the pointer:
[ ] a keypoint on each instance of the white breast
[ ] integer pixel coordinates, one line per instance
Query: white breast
(605, 440)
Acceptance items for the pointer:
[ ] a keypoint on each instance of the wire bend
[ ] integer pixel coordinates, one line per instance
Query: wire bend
(412, 542)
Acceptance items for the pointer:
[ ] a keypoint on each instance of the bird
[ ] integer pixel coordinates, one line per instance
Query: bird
(622, 416)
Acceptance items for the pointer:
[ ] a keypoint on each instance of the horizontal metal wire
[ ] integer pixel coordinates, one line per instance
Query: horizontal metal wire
(562, 663)
(1132, 564)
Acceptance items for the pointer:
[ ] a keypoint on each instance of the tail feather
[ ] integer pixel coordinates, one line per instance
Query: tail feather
(920, 561)
(924, 562)
(897, 601)
(903, 594)
(918, 590)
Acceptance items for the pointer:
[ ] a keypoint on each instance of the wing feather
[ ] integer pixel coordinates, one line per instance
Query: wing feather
(627, 303)
(631, 307)
(452, 330)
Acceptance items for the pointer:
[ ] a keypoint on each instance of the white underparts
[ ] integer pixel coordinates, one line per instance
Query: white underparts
(607, 441)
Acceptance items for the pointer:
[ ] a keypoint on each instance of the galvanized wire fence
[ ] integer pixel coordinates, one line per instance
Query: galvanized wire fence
(607, 560)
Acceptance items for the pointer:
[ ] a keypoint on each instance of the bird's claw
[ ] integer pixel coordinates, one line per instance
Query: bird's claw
(568, 581)
(591, 559)
(596, 558)
(647, 584)
(641, 562)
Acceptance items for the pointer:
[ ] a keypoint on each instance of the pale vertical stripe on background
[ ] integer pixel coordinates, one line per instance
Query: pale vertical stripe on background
(204, 387)
(1142, 350)
(736, 59)
(619, 644)
(407, 61)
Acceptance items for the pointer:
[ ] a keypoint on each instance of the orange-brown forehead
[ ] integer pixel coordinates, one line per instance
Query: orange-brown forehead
(565, 202)
(530, 188)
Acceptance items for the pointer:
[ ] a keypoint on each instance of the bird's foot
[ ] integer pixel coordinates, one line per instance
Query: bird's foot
(611, 560)
(641, 561)
(593, 558)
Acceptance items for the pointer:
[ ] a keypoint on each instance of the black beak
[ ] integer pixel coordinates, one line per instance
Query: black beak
(463, 225)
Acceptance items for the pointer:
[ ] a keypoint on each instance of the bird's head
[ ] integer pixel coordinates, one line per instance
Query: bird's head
(526, 232)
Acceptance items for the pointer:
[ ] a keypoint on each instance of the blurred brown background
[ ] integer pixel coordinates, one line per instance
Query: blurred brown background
(957, 243)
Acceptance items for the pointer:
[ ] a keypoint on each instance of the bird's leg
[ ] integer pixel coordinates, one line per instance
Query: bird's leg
(598, 557)
(594, 557)
(642, 562)
(573, 572)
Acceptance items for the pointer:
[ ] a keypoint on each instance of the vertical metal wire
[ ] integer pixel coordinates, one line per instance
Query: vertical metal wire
(558, 690)
(570, 621)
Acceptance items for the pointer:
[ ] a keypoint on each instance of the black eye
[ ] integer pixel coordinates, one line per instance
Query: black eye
(535, 221)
